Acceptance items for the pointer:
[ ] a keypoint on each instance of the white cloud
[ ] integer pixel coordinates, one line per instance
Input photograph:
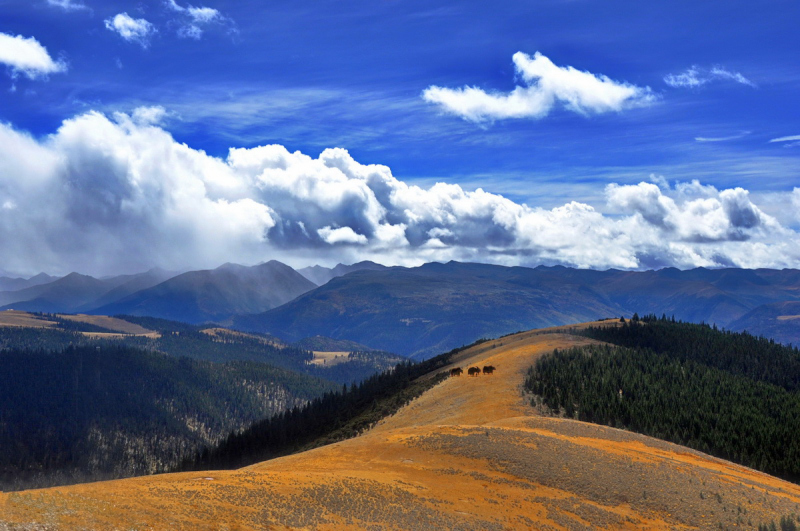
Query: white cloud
(26, 56)
(792, 138)
(195, 18)
(545, 85)
(68, 5)
(131, 29)
(696, 76)
(341, 235)
(105, 194)
(149, 115)
(721, 138)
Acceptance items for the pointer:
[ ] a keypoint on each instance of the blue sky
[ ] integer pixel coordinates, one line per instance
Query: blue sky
(713, 84)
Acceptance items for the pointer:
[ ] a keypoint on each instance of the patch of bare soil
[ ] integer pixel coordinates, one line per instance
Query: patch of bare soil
(468, 454)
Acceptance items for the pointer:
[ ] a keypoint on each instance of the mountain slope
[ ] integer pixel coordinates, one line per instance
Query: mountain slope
(128, 285)
(435, 307)
(779, 321)
(214, 295)
(76, 292)
(66, 294)
(468, 454)
(431, 308)
(103, 411)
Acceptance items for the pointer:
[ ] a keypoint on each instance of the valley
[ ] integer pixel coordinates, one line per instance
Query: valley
(88, 397)
(470, 453)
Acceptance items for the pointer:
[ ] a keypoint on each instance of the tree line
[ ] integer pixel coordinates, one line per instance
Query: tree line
(332, 417)
(730, 395)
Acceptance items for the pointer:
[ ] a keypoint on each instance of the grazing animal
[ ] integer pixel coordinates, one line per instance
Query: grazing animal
(474, 371)
(488, 369)
(456, 372)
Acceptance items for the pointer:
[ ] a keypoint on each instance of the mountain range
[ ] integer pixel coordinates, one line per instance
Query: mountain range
(420, 311)
(423, 310)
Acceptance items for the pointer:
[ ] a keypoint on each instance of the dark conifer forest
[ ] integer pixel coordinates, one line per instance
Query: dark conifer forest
(731, 395)
(93, 412)
(333, 417)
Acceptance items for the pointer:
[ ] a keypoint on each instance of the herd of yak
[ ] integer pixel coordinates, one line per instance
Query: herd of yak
(472, 371)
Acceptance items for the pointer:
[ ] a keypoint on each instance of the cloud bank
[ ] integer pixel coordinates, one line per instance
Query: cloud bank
(131, 29)
(115, 193)
(27, 57)
(546, 85)
(696, 76)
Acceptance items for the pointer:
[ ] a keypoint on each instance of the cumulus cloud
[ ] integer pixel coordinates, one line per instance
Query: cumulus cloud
(24, 55)
(68, 5)
(131, 29)
(195, 18)
(105, 194)
(546, 85)
(696, 76)
(796, 203)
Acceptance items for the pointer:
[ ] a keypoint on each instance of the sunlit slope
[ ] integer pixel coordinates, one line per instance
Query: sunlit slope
(468, 454)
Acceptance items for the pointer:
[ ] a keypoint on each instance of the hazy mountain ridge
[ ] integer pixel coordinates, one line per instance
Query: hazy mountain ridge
(195, 296)
(417, 311)
(424, 309)
(321, 275)
(17, 283)
(215, 294)
(76, 292)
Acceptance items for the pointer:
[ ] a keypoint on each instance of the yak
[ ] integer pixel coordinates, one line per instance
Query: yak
(474, 371)
(456, 371)
(488, 369)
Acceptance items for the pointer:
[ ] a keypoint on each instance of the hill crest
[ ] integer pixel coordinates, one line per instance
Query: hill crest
(469, 453)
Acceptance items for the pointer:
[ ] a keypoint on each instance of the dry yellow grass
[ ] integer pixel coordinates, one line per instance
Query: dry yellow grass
(23, 319)
(112, 323)
(120, 326)
(468, 454)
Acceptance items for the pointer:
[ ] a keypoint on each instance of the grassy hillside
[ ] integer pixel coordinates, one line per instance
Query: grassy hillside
(333, 417)
(104, 411)
(731, 395)
(469, 453)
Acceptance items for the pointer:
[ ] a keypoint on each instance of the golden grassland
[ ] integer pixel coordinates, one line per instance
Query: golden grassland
(120, 327)
(468, 454)
(24, 319)
(112, 323)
